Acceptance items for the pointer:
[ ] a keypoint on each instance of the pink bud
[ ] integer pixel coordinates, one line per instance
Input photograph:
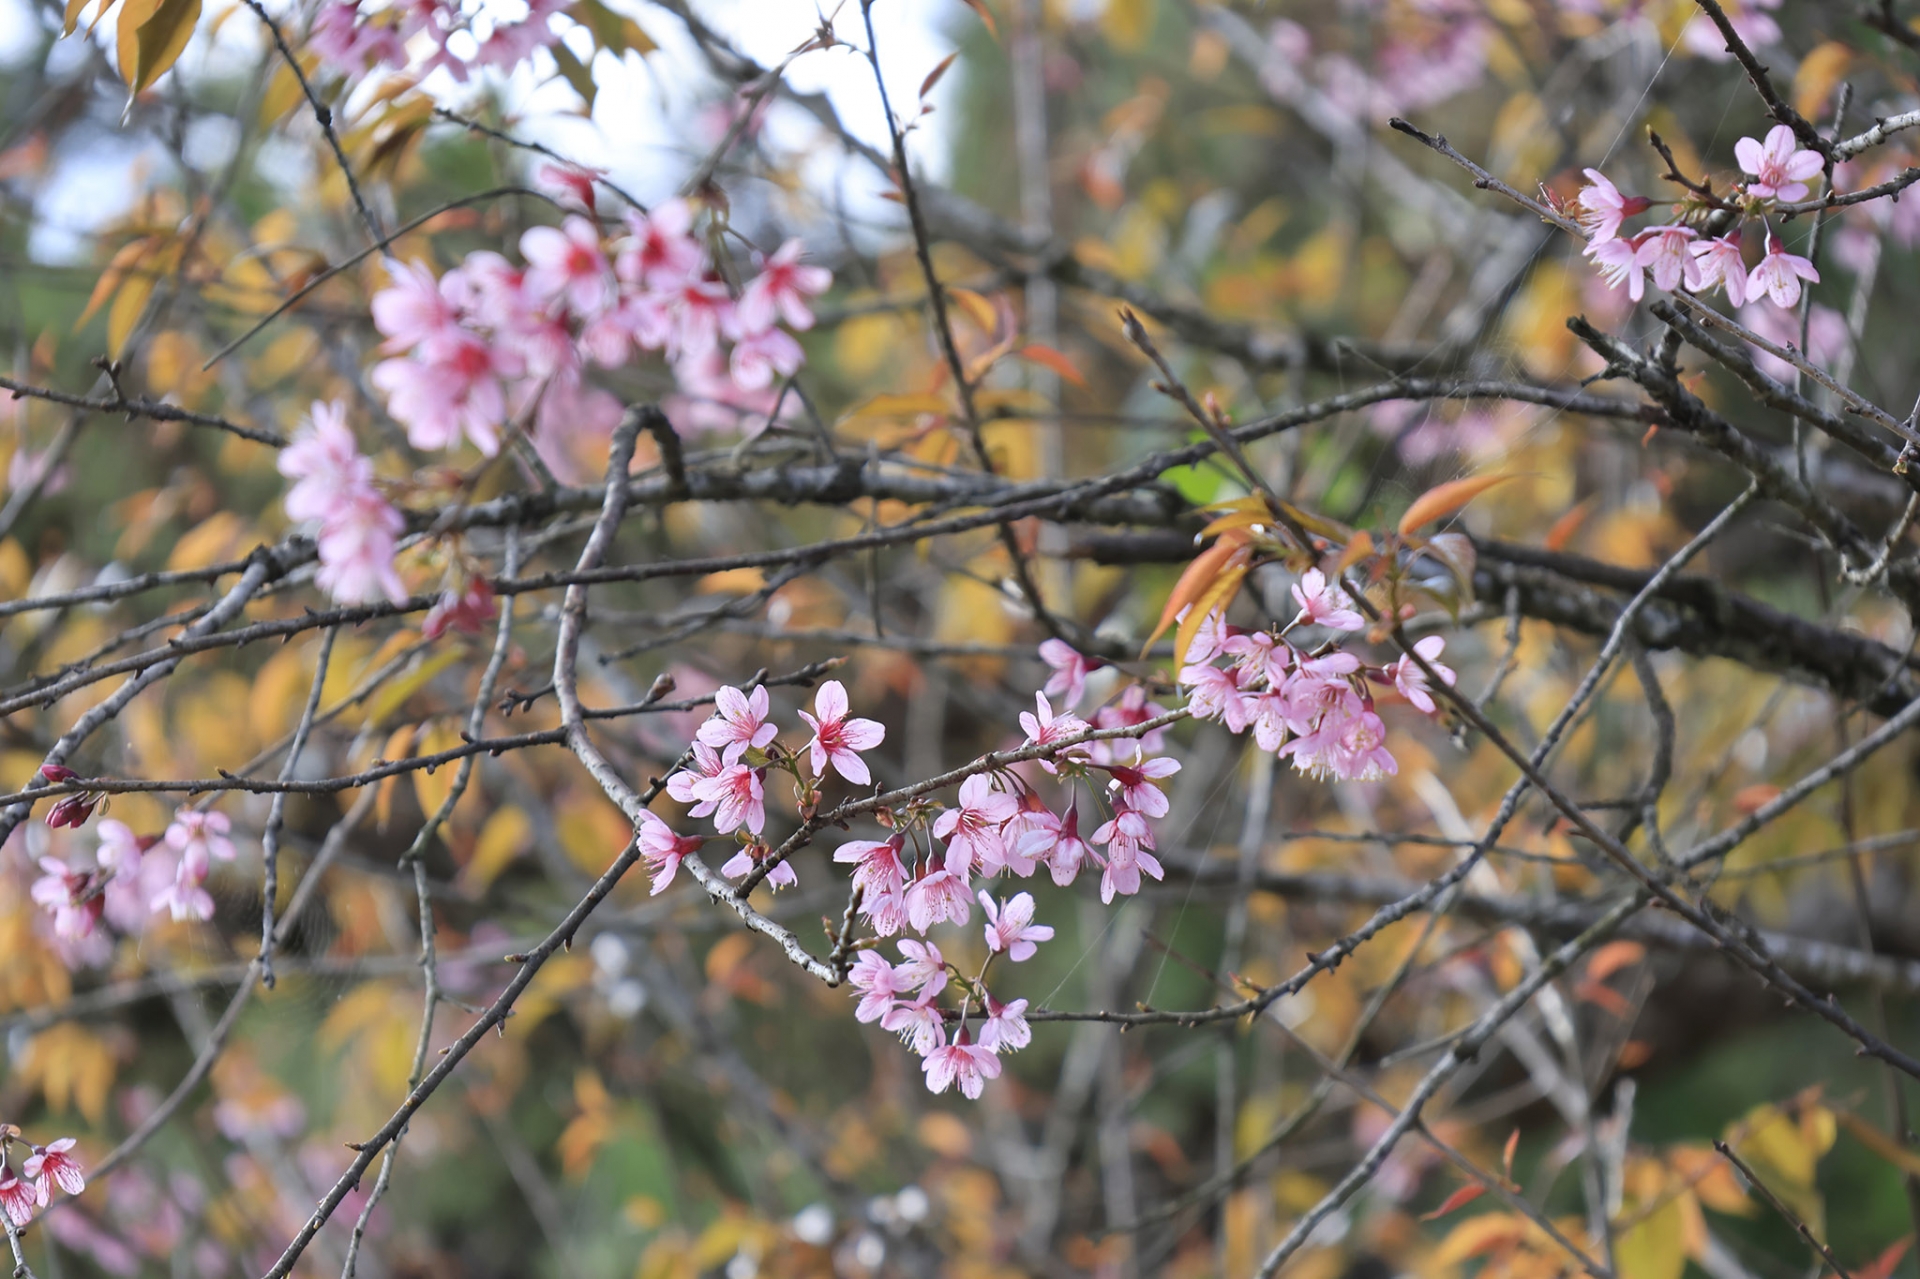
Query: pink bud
(57, 772)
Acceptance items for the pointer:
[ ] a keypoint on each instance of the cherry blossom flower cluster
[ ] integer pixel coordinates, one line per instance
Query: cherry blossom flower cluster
(1677, 256)
(132, 877)
(358, 529)
(488, 342)
(1313, 706)
(25, 1193)
(351, 38)
(927, 871)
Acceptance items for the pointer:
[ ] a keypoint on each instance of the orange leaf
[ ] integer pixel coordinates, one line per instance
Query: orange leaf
(1506, 1155)
(1216, 599)
(1200, 574)
(1612, 957)
(1443, 500)
(1635, 1053)
(933, 76)
(1567, 525)
(979, 7)
(1050, 358)
(1458, 1199)
(1605, 996)
(1751, 799)
(1881, 1267)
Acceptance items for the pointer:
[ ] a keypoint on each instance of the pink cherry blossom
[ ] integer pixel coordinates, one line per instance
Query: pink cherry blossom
(1349, 747)
(1412, 681)
(1718, 261)
(972, 830)
(1321, 687)
(937, 896)
(71, 896)
(699, 305)
(416, 309)
(1603, 208)
(836, 738)
(1619, 262)
(1780, 167)
(347, 49)
(1005, 1030)
(781, 289)
(1129, 842)
(1068, 683)
(184, 899)
(661, 250)
(1325, 604)
(1217, 695)
(456, 390)
(750, 856)
(1779, 274)
(51, 1164)
(324, 463)
(971, 1064)
(738, 798)
(1044, 728)
(1132, 709)
(198, 837)
(923, 967)
(663, 850)
(357, 543)
(19, 1199)
(683, 785)
(1260, 657)
(918, 1024)
(739, 723)
(1210, 639)
(571, 184)
(1011, 927)
(878, 869)
(1664, 252)
(758, 356)
(880, 984)
(565, 263)
(1132, 784)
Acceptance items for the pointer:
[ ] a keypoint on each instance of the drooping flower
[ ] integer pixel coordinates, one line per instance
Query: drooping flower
(1005, 1030)
(836, 738)
(749, 858)
(1719, 262)
(1325, 604)
(199, 838)
(969, 1063)
(758, 356)
(1133, 708)
(1132, 784)
(662, 249)
(1780, 166)
(739, 722)
(416, 309)
(1044, 728)
(1412, 681)
(51, 1165)
(1011, 927)
(466, 610)
(878, 869)
(1779, 274)
(707, 765)
(1664, 252)
(880, 984)
(1619, 263)
(324, 463)
(918, 1023)
(663, 849)
(71, 896)
(1603, 208)
(19, 1199)
(357, 544)
(572, 183)
(1349, 747)
(1217, 695)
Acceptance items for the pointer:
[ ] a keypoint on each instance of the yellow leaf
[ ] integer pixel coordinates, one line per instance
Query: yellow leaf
(128, 306)
(1477, 1236)
(398, 747)
(978, 309)
(432, 787)
(151, 36)
(72, 1067)
(1128, 23)
(74, 9)
(211, 541)
(1655, 1247)
(1817, 75)
(1198, 576)
(507, 834)
(394, 694)
(1215, 600)
(1443, 500)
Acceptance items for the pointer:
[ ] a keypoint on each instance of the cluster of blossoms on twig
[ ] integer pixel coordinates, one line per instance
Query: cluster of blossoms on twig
(1313, 706)
(1678, 256)
(133, 877)
(26, 1192)
(488, 344)
(351, 38)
